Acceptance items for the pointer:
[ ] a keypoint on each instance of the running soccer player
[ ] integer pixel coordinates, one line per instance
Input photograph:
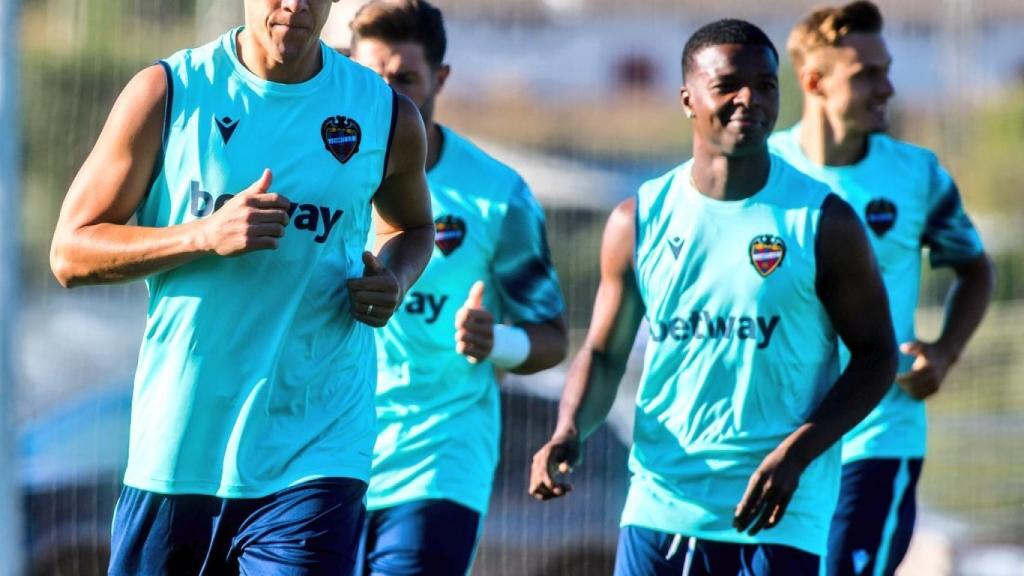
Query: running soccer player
(488, 299)
(908, 201)
(251, 164)
(748, 273)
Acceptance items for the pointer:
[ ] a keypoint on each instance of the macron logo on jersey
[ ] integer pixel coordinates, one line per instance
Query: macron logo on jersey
(702, 325)
(319, 220)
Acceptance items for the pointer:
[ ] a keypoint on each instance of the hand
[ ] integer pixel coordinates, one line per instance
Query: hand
(554, 459)
(768, 492)
(931, 364)
(254, 219)
(375, 296)
(474, 327)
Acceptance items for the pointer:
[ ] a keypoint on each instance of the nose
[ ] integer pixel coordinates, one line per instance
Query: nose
(745, 96)
(887, 89)
(295, 5)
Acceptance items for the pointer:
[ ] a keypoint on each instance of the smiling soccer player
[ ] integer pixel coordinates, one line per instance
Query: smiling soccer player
(735, 461)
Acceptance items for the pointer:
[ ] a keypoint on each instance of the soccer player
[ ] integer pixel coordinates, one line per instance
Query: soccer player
(250, 165)
(908, 201)
(748, 273)
(488, 299)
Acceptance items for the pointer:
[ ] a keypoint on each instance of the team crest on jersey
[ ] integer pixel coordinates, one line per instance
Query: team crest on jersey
(341, 136)
(449, 232)
(766, 253)
(880, 215)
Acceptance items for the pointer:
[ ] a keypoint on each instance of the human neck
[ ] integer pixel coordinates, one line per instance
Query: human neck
(826, 144)
(722, 177)
(435, 142)
(255, 57)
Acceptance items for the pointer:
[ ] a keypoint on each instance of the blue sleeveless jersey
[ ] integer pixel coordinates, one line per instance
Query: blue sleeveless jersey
(253, 376)
(907, 202)
(439, 415)
(741, 351)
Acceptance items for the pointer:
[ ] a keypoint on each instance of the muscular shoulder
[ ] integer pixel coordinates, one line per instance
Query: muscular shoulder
(142, 101)
(619, 238)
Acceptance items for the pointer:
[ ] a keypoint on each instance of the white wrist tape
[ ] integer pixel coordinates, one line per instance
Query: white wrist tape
(511, 346)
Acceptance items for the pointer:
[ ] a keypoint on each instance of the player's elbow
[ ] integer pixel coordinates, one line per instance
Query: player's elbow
(63, 265)
(888, 360)
(882, 356)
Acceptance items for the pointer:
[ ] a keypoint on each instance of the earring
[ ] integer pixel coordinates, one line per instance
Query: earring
(689, 113)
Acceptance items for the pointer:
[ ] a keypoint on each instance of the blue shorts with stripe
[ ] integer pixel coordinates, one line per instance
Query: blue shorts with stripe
(646, 552)
(311, 529)
(419, 538)
(874, 519)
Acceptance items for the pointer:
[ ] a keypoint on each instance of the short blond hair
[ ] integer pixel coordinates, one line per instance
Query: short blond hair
(826, 27)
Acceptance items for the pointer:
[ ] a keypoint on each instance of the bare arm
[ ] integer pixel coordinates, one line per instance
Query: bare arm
(969, 297)
(852, 293)
(93, 244)
(548, 345)
(594, 377)
(404, 222)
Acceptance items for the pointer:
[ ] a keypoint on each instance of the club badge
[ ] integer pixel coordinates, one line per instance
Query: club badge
(766, 253)
(880, 215)
(341, 136)
(449, 232)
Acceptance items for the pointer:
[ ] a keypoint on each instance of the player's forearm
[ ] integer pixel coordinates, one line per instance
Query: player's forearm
(109, 253)
(968, 300)
(858, 390)
(548, 346)
(406, 253)
(589, 392)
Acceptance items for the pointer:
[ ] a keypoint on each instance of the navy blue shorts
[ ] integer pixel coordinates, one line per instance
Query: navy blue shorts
(426, 537)
(646, 552)
(874, 520)
(307, 530)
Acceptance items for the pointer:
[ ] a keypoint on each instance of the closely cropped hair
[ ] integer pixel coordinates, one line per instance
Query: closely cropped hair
(727, 31)
(828, 26)
(403, 21)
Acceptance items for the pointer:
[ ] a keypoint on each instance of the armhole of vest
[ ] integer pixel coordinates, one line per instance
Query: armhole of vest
(166, 130)
(391, 136)
(636, 237)
(830, 198)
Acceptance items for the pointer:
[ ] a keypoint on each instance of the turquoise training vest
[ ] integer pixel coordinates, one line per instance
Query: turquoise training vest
(741, 351)
(253, 375)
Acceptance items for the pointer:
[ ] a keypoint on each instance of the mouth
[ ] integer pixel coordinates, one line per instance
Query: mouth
(878, 108)
(288, 26)
(743, 122)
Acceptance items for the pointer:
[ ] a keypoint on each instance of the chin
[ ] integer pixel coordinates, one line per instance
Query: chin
(745, 147)
(747, 142)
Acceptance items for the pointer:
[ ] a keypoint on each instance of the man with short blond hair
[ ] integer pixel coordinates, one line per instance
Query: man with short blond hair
(907, 201)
